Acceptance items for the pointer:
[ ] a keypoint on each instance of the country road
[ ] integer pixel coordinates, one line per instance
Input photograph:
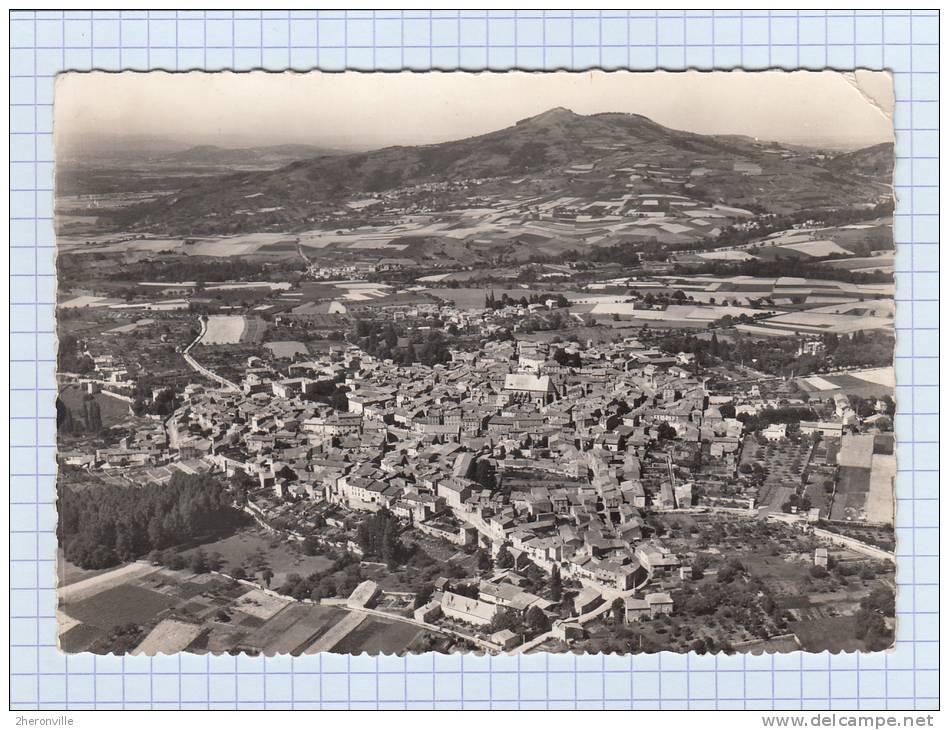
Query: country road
(201, 369)
(300, 251)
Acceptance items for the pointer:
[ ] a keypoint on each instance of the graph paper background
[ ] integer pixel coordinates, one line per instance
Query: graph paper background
(44, 43)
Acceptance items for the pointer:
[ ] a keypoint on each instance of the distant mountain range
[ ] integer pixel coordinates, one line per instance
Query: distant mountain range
(556, 151)
(213, 155)
(114, 149)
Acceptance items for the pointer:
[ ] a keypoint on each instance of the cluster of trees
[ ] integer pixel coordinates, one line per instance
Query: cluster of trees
(104, 525)
(504, 560)
(492, 302)
(535, 579)
(423, 595)
(730, 321)
(485, 474)
(754, 473)
(624, 254)
(864, 407)
(782, 414)
(773, 355)
(731, 570)
(733, 598)
(705, 349)
(88, 419)
(871, 349)
(199, 561)
(198, 269)
(711, 645)
(164, 403)
(870, 622)
(662, 298)
(567, 359)
(779, 355)
(533, 621)
(485, 563)
(556, 585)
(71, 360)
(544, 322)
(666, 432)
(799, 501)
(383, 340)
(378, 536)
(339, 580)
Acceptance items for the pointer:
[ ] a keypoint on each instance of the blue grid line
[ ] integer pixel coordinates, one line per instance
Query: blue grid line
(44, 43)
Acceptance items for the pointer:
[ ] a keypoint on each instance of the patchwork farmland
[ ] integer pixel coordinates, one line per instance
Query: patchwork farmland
(149, 610)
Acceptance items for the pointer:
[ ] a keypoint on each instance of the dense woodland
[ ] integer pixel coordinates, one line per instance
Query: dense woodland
(102, 527)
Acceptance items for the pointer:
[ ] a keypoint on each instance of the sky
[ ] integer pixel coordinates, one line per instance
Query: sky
(356, 110)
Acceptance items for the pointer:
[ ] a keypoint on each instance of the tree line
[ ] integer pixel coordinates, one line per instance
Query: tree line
(782, 266)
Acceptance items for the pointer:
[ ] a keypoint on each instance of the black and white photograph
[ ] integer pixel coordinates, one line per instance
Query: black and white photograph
(504, 363)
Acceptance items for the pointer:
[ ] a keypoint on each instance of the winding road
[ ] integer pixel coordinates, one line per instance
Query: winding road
(201, 369)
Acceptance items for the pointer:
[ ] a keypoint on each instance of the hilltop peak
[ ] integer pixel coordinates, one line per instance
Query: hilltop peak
(558, 113)
(556, 150)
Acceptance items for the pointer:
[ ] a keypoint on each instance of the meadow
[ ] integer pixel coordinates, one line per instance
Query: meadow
(248, 547)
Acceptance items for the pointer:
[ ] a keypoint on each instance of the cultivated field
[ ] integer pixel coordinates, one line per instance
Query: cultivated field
(345, 290)
(233, 329)
(864, 263)
(223, 329)
(162, 610)
(811, 322)
(865, 383)
(294, 628)
(122, 604)
(378, 636)
(169, 637)
(240, 245)
(880, 499)
(286, 349)
(272, 285)
(817, 248)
